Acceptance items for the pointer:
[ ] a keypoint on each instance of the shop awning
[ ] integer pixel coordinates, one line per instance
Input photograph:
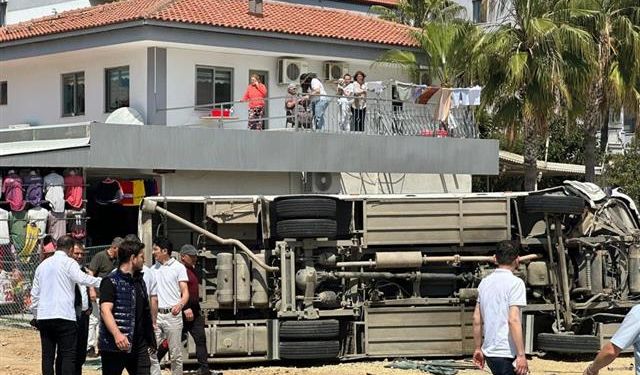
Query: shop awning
(27, 147)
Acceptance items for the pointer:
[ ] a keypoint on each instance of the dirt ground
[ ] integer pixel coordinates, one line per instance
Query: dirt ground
(20, 355)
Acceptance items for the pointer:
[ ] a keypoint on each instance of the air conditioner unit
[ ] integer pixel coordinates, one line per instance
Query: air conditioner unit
(333, 71)
(322, 183)
(289, 70)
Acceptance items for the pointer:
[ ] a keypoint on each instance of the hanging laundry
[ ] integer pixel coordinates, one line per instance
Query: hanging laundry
(127, 192)
(444, 107)
(405, 91)
(57, 225)
(4, 227)
(459, 97)
(108, 191)
(18, 229)
(430, 94)
(34, 188)
(138, 192)
(73, 189)
(78, 227)
(12, 190)
(54, 191)
(39, 216)
(32, 234)
(474, 95)
(151, 187)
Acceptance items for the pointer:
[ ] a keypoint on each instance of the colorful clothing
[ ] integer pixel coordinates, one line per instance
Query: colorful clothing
(255, 94)
(73, 185)
(12, 190)
(34, 185)
(54, 191)
(255, 118)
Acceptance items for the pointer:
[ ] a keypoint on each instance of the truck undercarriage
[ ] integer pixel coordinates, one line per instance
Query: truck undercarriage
(337, 277)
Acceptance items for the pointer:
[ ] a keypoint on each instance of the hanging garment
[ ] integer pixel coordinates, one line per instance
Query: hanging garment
(108, 192)
(32, 234)
(151, 187)
(39, 217)
(54, 191)
(430, 95)
(18, 229)
(404, 91)
(34, 188)
(4, 227)
(138, 192)
(474, 95)
(78, 227)
(12, 190)
(73, 189)
(57, 225)
(444, 107)
(127, 192)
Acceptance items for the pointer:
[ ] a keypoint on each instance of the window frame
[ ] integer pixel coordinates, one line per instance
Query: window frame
(75, 93)
(213, 69)
(107, 86)
(4, 99)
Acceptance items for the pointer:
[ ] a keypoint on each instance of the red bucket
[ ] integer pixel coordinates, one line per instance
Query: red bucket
(217, 112)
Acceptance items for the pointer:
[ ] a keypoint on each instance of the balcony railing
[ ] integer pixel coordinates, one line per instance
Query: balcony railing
(382, 117)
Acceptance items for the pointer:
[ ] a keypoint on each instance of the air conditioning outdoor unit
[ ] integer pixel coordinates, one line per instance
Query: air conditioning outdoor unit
(289, 70)
(333, 71)
(322, 183)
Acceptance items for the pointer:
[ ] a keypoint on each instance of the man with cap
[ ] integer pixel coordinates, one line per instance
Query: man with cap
(101, 265)
(192, 317)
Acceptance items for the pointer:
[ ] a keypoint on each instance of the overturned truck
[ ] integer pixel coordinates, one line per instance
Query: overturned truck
(338, 277)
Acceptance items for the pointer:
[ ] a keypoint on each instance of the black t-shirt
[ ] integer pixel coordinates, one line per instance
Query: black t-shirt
(107, 294)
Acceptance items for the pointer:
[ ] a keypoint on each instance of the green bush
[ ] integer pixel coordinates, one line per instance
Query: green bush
(623, 170)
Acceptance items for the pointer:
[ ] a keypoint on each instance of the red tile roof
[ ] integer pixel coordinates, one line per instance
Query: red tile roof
(278, 17)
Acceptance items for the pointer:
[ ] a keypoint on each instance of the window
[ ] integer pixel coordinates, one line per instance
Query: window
(213, 85)
(3, 93)
(479, 11)
(73, 94)
(117, 88)
(629, 123)
(3, 12)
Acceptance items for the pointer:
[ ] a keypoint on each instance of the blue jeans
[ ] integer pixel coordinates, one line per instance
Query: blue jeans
(501, 366)
(318, 107)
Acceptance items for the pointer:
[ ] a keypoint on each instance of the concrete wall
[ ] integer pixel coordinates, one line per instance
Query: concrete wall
(182, 64)
(35, 84)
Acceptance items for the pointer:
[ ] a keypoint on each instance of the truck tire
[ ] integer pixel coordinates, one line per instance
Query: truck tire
(309, 329)
(553, 204)
(306, 208)
(310, 349)
(307, 228)
(564, 343)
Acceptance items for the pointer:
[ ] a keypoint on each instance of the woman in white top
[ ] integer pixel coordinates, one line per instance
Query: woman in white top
(359, 104)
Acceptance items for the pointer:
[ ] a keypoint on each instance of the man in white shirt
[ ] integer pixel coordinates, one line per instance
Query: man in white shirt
(173, 294)
(52, 305)
(497, 316)
(83, 311)
(628, 335)
(318, 98)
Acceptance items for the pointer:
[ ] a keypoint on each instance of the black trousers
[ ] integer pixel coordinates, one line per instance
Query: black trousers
(137, 362)
(58, 335)
(196, 329)
(81, 343)
(501, 366)
(357, 119)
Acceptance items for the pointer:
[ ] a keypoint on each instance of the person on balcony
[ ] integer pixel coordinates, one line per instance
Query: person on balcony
(317, 97)
(255, 94)
(345, 90)
(359, 104)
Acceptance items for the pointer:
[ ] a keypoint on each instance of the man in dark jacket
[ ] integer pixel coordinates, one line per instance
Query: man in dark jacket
(126, 330)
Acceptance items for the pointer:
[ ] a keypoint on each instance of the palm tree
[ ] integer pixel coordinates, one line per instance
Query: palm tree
(418, 12)
(615, 29)
(530, 66)
(449, 50)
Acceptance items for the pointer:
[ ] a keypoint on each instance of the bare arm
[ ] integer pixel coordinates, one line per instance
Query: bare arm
(478, 356)
(605, 356)
(153, 302)
(106, 311)
(515, 330)
(184, 298)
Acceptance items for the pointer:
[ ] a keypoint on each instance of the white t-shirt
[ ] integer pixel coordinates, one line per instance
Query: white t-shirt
(39, 216)
(496, 294)
(629, 334)
(316, 85)
(167, 277)
(54, 191)
(149, 281)
(4, 227)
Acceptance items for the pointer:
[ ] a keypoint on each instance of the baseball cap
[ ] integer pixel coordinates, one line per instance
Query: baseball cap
(188, 249)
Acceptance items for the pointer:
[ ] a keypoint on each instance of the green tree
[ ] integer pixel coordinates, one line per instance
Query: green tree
(615, 29)
(530, 66)
(418, 12)
(623, 170)
(449, 48)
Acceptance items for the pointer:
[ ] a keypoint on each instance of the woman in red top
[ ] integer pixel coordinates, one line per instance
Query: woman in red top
(255, 94)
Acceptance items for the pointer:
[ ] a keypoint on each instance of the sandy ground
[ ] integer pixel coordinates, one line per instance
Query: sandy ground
(20, 355)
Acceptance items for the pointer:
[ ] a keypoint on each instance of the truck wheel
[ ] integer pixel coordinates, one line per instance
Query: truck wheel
(309, 329)
(307, 228)
(564, 343)
(310, 349)
(306, 208)
(553, 204)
